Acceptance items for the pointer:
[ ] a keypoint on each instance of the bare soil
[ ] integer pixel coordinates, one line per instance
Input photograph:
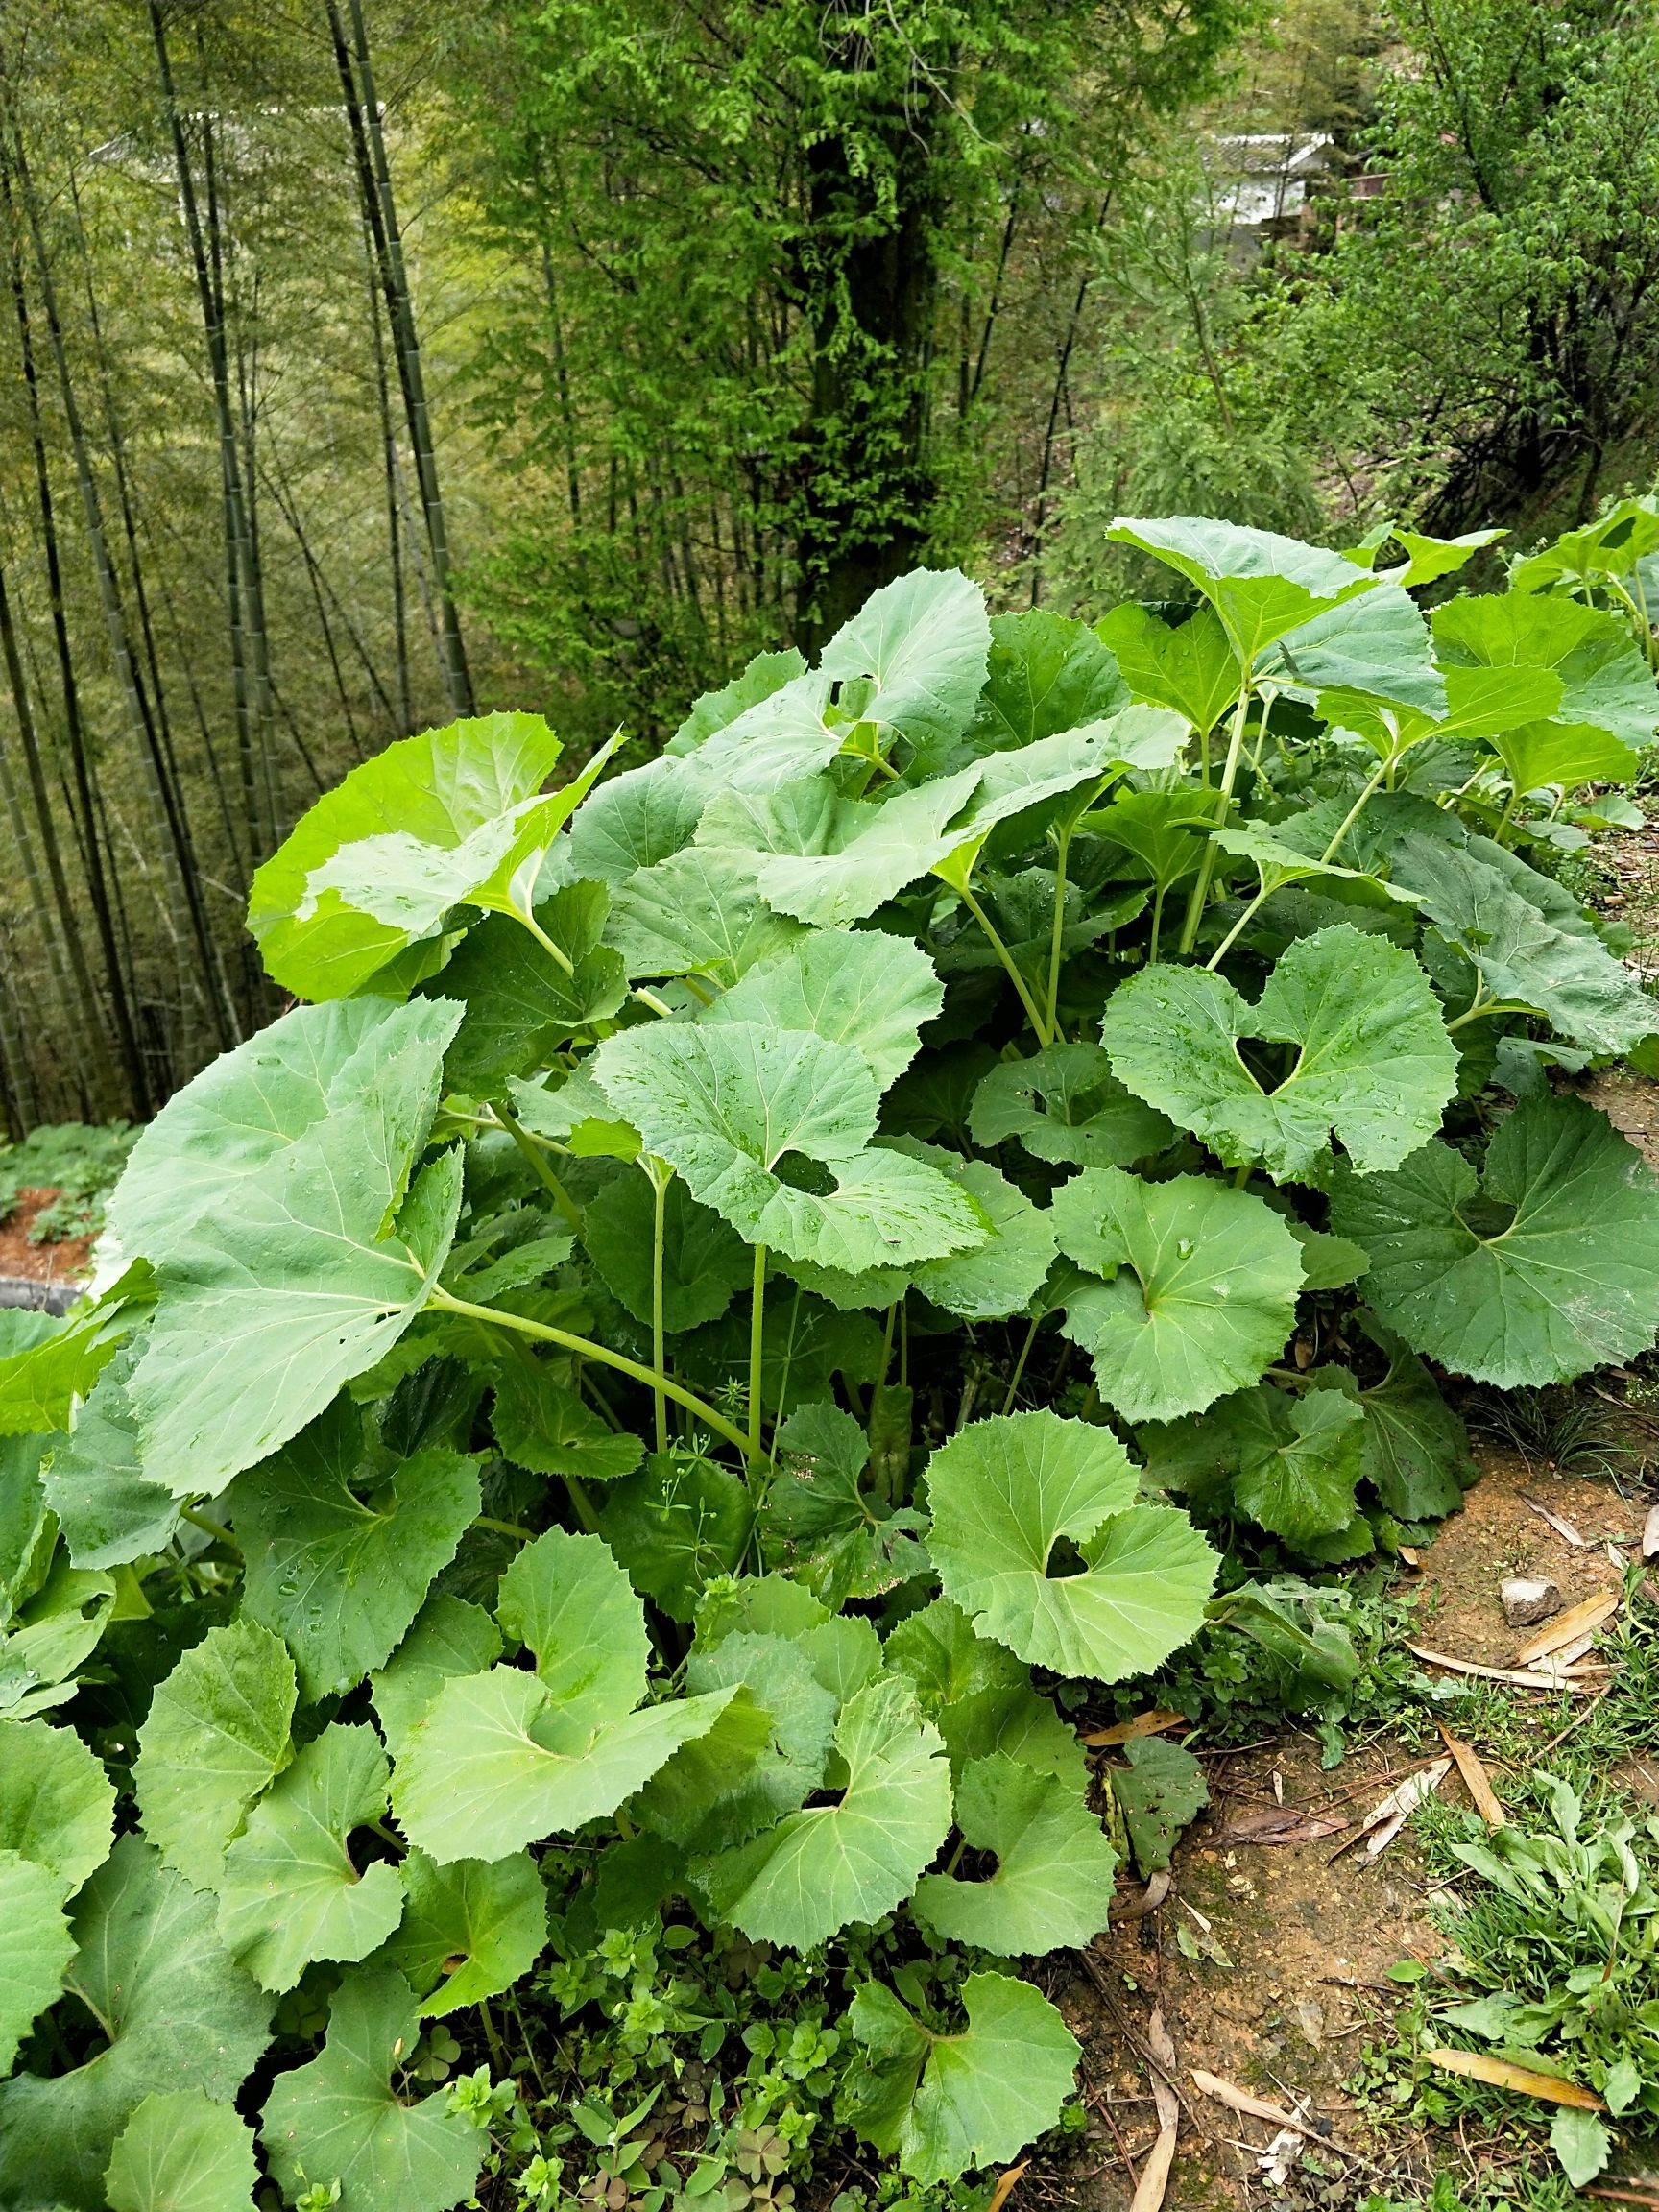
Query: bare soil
(65, 1261)
(1270, 1960)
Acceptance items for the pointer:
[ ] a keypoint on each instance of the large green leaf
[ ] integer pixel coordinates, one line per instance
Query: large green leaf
(35, 1946)
(1047, 674)
(1006, 1491)
(1164, 832)
(781, 734)
(449, 1637)
(49, 1635)
(1566, 753)
(1373, 1063)
(828, 860)
(502, 1758)
(495, 1765)
(216, 1734)
(1299, 1459)
(683, 1521)
(182, 2153)
(1259, 584)
(57, 1804)
(716, 710)
(267, 1312)
(705, 1263)
(110, 1510)
(341, 2119)
(1416, 1449)
(853, 986)
(1188, 667)
(240, 1119)
(700, 912)
(47, 1363)
(1051, 1885)
(521, 1005)
(1376, 643)
(1477, 896)
(825, 1867)
(1065, 1104)
(1609, 546)
(725, 1104)
(150, 1967)
(470, 1930)
(423, 825)
(1545, 1266)
(636, 820)
(290, 1892)
(340, 1543)
(1198, 1292)
(921, 646)
(832, 1532)
(565, 1598)
(1605, 680)
(944, 2103)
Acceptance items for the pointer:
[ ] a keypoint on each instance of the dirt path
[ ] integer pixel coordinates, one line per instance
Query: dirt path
(1269, 1959)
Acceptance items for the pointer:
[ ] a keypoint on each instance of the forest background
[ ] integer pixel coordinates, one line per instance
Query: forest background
(364, 363)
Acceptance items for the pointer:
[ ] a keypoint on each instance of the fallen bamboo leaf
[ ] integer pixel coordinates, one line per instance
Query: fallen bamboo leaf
(1499, 1673)
(1568, 1654)
(1616, 1556)
(1137, 1906)
(1154, 2179)
(1161, 2044)
(1475, 1779)
(1006, 2183)
(1651, 1534)
(1500, 2074)
(1563, 1528)
(1567, 1627)
(1385, 1821)
(1281, 1824)
(1144, 1725)
(1238, 2100)
(1410, 1554)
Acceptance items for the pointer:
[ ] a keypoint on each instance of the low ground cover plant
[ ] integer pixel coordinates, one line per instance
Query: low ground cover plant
(620, 1429)
(80, 1163)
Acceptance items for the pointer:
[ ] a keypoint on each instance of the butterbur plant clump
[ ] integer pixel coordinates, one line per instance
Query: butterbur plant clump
(620, 1427)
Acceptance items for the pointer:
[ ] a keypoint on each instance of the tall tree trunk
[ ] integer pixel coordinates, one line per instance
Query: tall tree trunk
(868, 281)
(211, 299)
(394, 514)
(374, 185)
(163, 787)
(92, 846)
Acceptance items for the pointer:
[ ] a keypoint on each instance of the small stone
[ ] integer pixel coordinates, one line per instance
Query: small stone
(1526, 1603)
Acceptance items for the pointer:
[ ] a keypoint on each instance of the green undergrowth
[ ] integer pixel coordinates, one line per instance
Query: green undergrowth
(78, 1161)
(619, 1439)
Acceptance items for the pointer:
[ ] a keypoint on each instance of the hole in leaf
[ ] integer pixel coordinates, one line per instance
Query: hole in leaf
(1487, 1217)
(802, 1174)
(1064, 1560)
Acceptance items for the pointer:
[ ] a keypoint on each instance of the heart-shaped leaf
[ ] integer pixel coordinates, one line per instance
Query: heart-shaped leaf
(1545, 1266)
(944, 2103)
(979, 1697)
(290, 1891)
(916, 652)
(1188, 667)
(1005, 1492)
(853, 986)
(725, 1104)
(1259, 584)
(1605, 680)
(1373, 1063)
(821, 1870)
(449, 1637)
(340, 2116)
(1199, 1289)
(1066, 1105)
(1051, 1887)
(829, 1530)
(700, 912)
(468, 1930)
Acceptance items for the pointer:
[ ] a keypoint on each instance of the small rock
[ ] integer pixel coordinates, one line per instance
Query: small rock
(1526, 1603)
